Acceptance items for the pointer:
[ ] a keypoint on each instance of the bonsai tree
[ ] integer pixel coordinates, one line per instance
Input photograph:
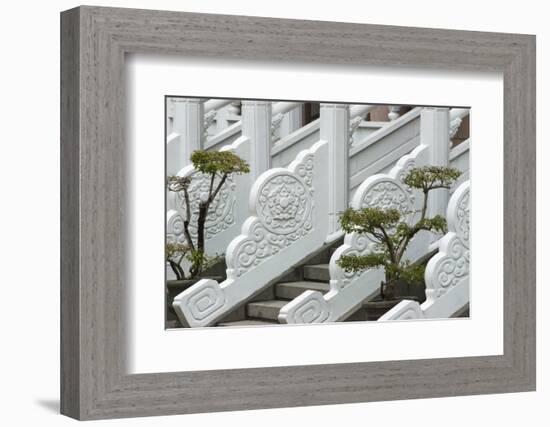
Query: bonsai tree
(392, 233)
(218, 166)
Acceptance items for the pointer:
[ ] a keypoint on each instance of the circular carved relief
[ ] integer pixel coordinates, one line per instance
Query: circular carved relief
(387, 194)
(284, 204)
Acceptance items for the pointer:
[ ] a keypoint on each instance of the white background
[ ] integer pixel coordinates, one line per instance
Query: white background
(151, 78)
(29, 235)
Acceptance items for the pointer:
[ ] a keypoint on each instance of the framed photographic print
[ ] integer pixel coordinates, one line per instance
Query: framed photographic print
(292, 213)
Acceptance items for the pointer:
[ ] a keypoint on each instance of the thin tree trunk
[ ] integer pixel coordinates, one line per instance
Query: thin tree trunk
(187, 220)
(177, 270)
(203, 210)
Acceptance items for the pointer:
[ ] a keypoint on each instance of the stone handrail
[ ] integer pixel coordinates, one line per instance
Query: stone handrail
(348, 290)
(288, 220)
(447, 274)
(230, 208)
(310, 132)
(216, 104)
(384, 147)
(278, 111)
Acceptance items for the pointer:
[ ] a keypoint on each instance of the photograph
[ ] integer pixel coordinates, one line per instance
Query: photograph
(283, 212)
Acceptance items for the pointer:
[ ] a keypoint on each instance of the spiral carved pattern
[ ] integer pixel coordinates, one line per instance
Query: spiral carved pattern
(312, 309)
(360, 244)
(452, 264)
(462, 221)
(453, 267)
(207, 298)
(174, 228)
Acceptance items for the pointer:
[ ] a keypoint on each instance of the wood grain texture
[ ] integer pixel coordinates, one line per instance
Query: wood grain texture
(70, 92)
(94, 383)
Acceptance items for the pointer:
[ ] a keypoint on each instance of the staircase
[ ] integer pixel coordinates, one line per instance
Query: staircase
(312, 274)
(315, 278)
(272, 218)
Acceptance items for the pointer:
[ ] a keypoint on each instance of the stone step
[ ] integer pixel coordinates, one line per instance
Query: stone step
(248, 322)
(317, 272)
(290, 290)
(265, 310)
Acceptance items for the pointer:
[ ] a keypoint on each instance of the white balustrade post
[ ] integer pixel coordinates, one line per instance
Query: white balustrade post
(434, 132)
(188, 123)
(291, 122)
(335, 130)
(256, 125)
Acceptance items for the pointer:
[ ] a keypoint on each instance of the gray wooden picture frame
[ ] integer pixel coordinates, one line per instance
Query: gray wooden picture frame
(94, 41)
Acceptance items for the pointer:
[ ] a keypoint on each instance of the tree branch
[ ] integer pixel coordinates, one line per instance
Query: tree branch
(219, 187)
(187, 220)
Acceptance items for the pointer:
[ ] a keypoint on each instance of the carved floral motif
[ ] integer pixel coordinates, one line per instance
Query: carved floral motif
(284, 206)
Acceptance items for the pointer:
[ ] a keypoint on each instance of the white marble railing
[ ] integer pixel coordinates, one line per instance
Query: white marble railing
(226, 212)
(348, 290)
(230, 208)
(379, 151)
(285, 149)
(287, 221)
(233, 219)
(447, 274)
(283, 122)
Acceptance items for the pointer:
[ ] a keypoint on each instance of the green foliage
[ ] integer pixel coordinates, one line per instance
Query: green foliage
(437, 224)
(353, 263)
(391, 232)
(406, 271)
(429, 178)
(368, 220)
(222, 162)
